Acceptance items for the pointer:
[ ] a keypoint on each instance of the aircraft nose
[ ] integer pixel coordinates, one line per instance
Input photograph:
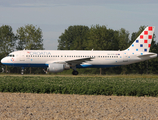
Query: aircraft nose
(2, 61)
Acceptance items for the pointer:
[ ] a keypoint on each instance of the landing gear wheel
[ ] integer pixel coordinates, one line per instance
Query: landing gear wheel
(75, 72)
(22, 72)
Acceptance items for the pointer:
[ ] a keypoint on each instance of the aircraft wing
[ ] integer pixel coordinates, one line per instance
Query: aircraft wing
(78, 61)
(71, 62)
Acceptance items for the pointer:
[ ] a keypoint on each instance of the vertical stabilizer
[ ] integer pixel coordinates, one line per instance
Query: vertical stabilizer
(143, 41)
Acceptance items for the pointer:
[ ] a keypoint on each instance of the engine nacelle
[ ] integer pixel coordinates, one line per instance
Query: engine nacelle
(56, 67)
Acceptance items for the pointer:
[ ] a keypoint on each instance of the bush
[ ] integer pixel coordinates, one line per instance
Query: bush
(117, 85)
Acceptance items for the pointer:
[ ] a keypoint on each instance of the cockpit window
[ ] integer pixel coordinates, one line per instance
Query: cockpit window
(11, 55)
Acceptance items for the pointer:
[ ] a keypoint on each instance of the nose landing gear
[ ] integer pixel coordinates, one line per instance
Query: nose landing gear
(22, 71)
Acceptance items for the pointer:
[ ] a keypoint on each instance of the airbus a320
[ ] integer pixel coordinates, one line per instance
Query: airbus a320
(58, 60)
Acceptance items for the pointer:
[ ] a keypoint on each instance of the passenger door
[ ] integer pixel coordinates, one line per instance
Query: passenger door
(22, 56)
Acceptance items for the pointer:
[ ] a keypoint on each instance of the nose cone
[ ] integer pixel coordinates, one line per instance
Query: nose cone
(2, 61)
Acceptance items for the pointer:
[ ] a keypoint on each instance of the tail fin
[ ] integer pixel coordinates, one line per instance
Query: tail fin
(143, 41)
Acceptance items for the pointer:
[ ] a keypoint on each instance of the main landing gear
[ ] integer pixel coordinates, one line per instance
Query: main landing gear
(74, 72)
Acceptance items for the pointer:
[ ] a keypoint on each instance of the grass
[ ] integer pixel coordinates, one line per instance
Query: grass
(127, 85)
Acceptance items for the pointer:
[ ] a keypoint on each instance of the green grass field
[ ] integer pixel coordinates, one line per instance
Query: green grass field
(127, 85)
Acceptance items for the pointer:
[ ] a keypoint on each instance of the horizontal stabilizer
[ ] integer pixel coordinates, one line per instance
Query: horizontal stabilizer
(144, 55)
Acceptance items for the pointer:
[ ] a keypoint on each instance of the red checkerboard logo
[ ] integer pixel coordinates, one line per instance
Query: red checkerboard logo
(145, 32)
(150, 37)
(149, 45)
(145, 41)
(150, 28)
(141, 36)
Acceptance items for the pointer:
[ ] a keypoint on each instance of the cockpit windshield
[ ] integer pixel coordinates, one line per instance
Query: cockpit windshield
(10, 55)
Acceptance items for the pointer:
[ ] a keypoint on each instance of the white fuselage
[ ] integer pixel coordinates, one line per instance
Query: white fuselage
(99, 59)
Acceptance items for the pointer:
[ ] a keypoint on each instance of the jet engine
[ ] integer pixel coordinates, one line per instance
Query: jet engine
(56, 67)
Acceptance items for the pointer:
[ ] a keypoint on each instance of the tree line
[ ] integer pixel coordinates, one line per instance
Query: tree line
(78, 37)
(26, 37)
(98, 37)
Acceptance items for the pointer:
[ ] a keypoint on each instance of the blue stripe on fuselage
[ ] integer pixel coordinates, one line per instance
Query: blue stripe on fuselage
(46, 65)
(25, 65)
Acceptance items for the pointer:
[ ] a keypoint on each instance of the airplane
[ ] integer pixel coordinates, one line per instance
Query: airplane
(58, 60)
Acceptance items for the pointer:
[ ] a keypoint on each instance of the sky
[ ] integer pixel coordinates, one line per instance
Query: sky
(54, 16)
